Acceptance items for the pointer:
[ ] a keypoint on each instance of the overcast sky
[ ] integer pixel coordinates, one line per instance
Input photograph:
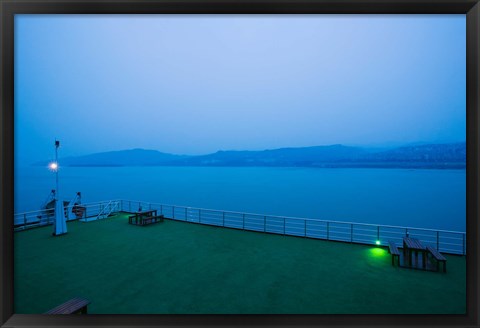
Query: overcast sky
(191, 84)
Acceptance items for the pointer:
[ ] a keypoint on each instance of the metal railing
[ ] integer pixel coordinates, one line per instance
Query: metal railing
(32, 219)
(452, 242)
(112, 206)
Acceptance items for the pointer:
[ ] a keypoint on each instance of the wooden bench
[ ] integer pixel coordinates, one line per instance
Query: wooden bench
(74, 306)
(392, 249)
(439, 257)
(151, 219)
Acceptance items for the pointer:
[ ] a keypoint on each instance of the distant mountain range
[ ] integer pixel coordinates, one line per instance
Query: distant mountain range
(131, 157)
(452, 155)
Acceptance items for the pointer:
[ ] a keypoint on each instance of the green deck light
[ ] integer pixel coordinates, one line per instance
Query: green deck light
(377, 242)
(378, 252)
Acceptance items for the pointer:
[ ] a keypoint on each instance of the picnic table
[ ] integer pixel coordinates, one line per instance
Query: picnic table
(411, 246)
(140, 215)
(145, 217)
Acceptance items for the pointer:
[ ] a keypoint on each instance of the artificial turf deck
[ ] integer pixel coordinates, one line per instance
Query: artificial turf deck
(183, 268)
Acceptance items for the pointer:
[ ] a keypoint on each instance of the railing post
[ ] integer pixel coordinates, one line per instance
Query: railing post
(149, 206)
(200, 216)
(173, 212)
(378, 232)
(284, 226)
(129, 205)
(185, 214)
(305, 228)
(351, 232)
(223, 219)
(438, 241)
(243, 226)
(406, 232)
(463, 243)
(24, 220)
(328, 230)
(264, 223)
(161, 209)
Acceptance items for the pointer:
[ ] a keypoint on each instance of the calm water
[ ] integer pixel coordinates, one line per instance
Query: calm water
(418, 198)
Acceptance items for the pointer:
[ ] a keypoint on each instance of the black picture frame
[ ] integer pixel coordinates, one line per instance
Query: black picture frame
(470, 8)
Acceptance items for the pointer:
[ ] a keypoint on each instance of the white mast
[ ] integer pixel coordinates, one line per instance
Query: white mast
(59, 223)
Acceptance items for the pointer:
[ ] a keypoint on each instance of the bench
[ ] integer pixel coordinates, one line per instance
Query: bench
(439, 257)
(74, 306)
(151, 219)
(392, 249)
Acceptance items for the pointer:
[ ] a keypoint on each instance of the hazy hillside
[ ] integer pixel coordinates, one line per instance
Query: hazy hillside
(306, 156)
(431, 153)
(132, 157)
(419, 156)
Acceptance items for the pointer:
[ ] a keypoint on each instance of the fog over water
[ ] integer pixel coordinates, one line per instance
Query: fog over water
(195, 84)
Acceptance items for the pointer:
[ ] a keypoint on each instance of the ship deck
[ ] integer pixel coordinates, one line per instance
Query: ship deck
(176, 267)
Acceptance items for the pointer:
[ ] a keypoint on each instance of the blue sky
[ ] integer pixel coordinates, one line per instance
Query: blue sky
(192, 84)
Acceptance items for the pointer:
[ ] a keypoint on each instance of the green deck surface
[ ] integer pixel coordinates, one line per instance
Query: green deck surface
(184, 268)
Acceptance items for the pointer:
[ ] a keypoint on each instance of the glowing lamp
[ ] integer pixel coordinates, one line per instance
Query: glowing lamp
(53, 166)
(377, 242)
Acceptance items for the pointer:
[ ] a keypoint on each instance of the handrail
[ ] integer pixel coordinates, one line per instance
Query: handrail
(298, 218)
(82, 204)
(31, 218)
(109, 208)
(102, 212)
(328, 230)
(312, 228)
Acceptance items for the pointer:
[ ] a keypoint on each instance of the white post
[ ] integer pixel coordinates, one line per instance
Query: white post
(59, 224)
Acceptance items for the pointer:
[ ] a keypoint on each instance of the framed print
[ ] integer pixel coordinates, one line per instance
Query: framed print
(218, 163)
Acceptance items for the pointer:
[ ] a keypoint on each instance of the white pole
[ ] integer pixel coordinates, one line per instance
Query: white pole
(60, 225)
(56, 171)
